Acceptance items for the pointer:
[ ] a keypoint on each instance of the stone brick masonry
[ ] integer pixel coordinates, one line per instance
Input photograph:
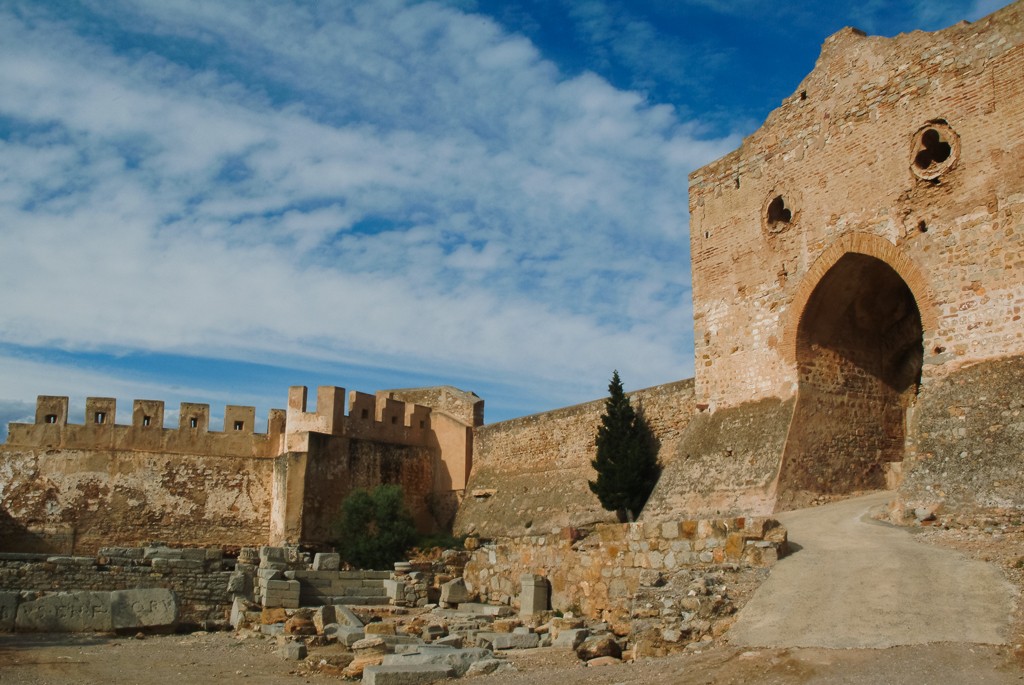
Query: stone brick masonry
(531, 473)
(601, 571)
(197, 577)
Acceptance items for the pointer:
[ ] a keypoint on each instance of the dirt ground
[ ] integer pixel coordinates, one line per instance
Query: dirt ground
(222, 658)
(226, 658)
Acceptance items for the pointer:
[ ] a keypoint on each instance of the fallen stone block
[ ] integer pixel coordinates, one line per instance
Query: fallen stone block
(154, 608)
(346, 635)
(292, 651)
(433, 632)
(300, 625)
(476, 608)
(394, 640)
(597, 646)
(455, 641)
(368, 652)
(459, 660)
(505, 625)
(237, 583)
(324, 616)
(65, 612)
(379, 628)
(326, 562)
(242, 611)
(273, 615)
(561, 623)
(273, 554)
(123, 610)
(347, 616)
(454, 592)
(265, 574)
(405, 675)
(511, 640)
(484, 667)
(570, 638)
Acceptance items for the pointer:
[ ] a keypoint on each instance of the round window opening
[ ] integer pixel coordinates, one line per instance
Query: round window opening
(777, 214)
(936, 148)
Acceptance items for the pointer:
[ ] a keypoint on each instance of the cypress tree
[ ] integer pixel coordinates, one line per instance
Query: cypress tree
(626, 463)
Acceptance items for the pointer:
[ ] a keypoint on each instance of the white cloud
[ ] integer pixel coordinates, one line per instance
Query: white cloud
(374, 184)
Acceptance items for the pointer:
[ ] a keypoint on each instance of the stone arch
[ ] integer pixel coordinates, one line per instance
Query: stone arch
(872, 246)
(858, 347)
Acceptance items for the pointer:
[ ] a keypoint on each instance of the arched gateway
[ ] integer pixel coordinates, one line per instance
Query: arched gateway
(858, 349)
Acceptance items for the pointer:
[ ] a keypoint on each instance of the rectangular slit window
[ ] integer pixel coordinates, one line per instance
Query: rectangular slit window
(394, 420)
(239, 425)
(423, 424)
(101, 417)
(146, 420)
(193, 422)
(51, 418)
(365, 414)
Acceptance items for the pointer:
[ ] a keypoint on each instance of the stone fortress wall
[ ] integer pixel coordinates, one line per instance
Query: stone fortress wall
(72, 488)
(858, 285)
(530, 474)
(863, 249)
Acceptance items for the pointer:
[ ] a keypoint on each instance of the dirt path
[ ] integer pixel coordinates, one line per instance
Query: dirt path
(859, 583)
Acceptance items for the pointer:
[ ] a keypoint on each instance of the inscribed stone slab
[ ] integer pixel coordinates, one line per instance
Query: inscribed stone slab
(65, 612)
(150, 608)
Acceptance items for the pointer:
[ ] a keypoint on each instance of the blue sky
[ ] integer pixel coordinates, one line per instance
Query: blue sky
(211, 201)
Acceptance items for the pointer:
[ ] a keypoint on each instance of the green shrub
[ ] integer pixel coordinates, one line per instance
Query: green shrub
(375, 528)
(626, 464)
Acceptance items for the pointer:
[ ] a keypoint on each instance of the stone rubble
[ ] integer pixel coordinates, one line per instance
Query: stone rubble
(686, 609)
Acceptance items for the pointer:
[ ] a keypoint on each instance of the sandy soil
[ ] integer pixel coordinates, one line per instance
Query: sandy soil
(222, 658)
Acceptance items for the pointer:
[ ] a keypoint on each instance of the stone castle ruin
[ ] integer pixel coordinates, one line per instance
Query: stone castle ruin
(858, 288)
(73, 488)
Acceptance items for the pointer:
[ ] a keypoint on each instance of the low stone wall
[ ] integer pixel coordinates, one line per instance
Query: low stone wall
(598, 574)
(197, 577)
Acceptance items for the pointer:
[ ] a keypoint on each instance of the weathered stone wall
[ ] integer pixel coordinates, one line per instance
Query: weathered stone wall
(75, 501)
(600, 573)
(841, 156)
(531, 474)
(465, 406)
(337, 466)
(864, 245)
(725, 464)
(969, 451)
(68, 488)
(199, 577)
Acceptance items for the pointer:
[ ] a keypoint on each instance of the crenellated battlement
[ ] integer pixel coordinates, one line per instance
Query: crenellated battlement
(147, 433)
(380, 417)
(377, 417)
